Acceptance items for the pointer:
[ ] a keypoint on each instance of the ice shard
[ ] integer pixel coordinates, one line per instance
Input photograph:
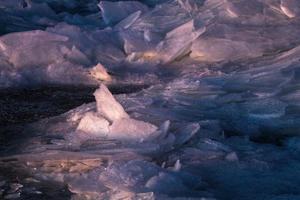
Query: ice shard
(94, 124)
(107, 106)
(113, 12)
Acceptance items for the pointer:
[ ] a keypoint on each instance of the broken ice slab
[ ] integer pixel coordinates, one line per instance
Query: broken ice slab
(177, 42)
(217, 49)
(192, 155)
(113, 12)
(151, 46)
(128, 21)
(244, 8)
(293, 144)
(186, 133)
(93, 124)
(163, 18)
(209, 144)
(166, 184)
(143, 176)
(131, 130)
(107, 106)
(42, 57)
(100, 73)
(33, 48)
(88, 185)
(154, 2)
(140, 42)
(290, 8)
(166, 25)
(131, 174)
(55, 51)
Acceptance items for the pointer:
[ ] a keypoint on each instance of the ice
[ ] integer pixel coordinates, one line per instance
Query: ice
(209, 144)
(131, 130)
(293, 144)
(217, 49)
(94, 124)
(20, 47)
(149, 39)
(177, 42)
(162, 183)
(107, 106)
(113, 122)
(207, 103)
(177, 166)
(128, 21)
(130, 174)
(232, 157)
(186, 133)
(100, 73)
(290, 7)
(113, 12)
(40, 56)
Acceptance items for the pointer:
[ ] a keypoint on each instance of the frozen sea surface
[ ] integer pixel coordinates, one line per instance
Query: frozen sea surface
(152, 99)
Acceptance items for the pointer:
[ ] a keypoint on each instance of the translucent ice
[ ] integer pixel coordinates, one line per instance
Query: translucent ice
(214, 49)
(94, 124)
(100, 73)
(162, 183)
(290, 7)
(107, 106)
(46, 48)
(113, 12)
(131, 130)
(177, 42)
